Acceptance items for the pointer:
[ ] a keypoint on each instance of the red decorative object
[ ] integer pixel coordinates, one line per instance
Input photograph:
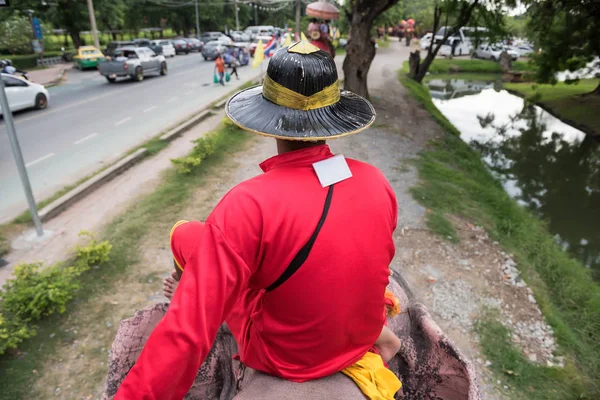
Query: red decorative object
(322, 10)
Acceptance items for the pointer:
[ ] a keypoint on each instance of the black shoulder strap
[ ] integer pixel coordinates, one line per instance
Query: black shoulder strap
(303, 253)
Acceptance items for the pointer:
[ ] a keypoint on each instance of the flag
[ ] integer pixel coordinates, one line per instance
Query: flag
(303, 36)
(288, 40)
(259, 54)
(270, 47)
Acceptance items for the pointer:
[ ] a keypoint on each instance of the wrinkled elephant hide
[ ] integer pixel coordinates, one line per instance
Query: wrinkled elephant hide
(429, 365)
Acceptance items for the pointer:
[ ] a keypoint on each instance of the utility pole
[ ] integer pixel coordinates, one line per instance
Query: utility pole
(255, 14)
(298, 6)
(16, 150)
(197, 20)
(237, 16)
(93, 23)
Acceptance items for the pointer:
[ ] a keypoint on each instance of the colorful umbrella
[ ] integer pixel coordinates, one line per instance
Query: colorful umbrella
(322, 10)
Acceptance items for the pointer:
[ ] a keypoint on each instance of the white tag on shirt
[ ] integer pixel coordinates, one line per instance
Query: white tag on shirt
(332, 170)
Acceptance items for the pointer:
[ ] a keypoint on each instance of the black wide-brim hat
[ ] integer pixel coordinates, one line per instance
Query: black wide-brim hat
(300, 99)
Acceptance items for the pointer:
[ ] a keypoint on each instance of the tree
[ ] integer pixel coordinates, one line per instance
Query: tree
(16, 34)
(455, 14)
(567, 31)
(360, 50)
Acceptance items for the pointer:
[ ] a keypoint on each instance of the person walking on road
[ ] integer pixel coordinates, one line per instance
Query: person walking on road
(220, 69)
(231, 60)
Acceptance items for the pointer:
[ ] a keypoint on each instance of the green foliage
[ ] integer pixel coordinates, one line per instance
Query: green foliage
(16, 34)
(204, 147)
(4, 245)
(440, 66)
(456, 181)
(534, 381)
(567, 31)
(439, 224)
(421, 93)
(36, 292)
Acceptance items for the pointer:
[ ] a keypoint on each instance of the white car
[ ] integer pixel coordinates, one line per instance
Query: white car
(168, 50)
(524, 49)
(239, 36)
(425, 41)
(492, 52)
(23, 94)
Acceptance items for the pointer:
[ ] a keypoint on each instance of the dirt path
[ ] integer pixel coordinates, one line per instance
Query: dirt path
(453, 280)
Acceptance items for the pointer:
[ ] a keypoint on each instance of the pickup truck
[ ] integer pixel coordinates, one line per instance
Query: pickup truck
(133, 62)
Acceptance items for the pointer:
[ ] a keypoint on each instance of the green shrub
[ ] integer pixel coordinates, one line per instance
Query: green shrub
(205, 146)
(36, 292)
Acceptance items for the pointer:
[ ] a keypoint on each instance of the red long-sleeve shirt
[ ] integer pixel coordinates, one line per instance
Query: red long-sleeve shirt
(321, 320)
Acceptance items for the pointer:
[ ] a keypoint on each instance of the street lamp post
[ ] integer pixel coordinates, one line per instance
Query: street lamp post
(237, 16)
(16, 150)
(93, 23)
(298, 7)
(197, 20)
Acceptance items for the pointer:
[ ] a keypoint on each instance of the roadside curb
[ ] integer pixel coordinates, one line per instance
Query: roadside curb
(178, 130)
(60, 204)
(58, 80)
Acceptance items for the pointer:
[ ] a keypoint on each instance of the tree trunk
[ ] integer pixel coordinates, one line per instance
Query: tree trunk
(360, 52)
(114, 35)
(76, 39)
(424, 67)
(414, 61)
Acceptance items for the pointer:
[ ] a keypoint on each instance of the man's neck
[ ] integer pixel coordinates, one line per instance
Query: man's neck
(285, 146)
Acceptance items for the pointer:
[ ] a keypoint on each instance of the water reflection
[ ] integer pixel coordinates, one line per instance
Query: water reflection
(548, 166)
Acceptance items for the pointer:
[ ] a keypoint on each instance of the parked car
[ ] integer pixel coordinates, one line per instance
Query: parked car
(181, 46)
(149, 44)
(261, 30)
(193, 44)
(492, 52)
(109, 51)
(133, 62)
(167, 47)
(425, 41)
(265, 40)
(524, 50)
(23, 94)
(213, 48)
(239, 36)
(210, 36)
(87, 57)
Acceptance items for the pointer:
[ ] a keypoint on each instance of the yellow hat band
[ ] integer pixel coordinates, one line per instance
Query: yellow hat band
(285, 97)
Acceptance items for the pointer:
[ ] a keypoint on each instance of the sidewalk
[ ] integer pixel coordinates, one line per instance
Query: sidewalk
(50, 76)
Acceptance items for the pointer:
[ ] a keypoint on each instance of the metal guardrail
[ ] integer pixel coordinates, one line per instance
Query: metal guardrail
(49, 61)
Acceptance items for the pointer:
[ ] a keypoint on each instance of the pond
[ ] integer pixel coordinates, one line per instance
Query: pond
(545, 164)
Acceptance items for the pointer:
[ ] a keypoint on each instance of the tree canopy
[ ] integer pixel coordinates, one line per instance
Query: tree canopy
(567, 32)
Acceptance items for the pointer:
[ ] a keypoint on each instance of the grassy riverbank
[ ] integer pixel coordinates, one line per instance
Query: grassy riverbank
(83, 334)
(455, 181)
(569, 102)
(440, 66)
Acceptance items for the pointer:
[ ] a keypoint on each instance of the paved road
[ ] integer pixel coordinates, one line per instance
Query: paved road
(90, 123)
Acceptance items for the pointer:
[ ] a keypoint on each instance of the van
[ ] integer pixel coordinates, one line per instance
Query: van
(462, 42)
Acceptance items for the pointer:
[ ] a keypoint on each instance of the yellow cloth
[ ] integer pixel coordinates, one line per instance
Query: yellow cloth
(285, 97)
(259, 54)
(303, 36)
(288, 40)
(373, 378)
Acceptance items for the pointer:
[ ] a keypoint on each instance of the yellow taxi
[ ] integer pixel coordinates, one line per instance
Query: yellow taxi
(87, 57)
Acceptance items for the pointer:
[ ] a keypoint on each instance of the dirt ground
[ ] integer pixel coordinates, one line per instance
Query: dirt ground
(453, 280)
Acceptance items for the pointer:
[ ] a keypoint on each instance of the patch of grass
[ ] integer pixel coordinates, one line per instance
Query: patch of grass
(383, 43)
(438, 223)
(126, 233)
(548, 92)
(421, 93)
(529, 381)
(454, 180)
(470, 76)
(569, 102)
(441, 65)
